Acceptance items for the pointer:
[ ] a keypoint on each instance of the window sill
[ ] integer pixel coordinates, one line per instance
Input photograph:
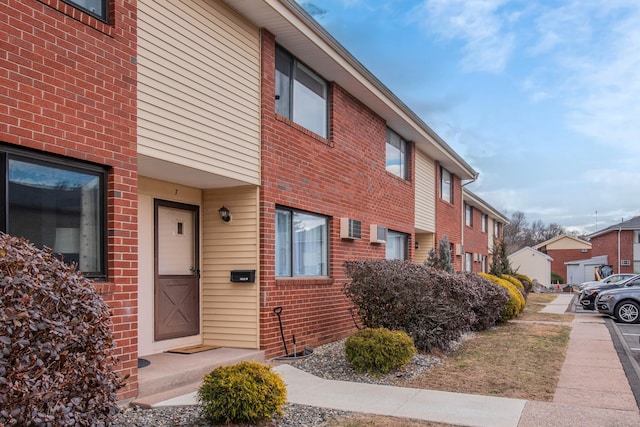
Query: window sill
(304, 130)
(79, 15)
(287, 281)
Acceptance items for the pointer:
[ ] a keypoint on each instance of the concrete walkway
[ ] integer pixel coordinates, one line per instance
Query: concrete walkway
(592, 391)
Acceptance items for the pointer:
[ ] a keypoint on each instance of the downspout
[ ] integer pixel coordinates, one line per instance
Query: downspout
(619, 264)
(464, 255)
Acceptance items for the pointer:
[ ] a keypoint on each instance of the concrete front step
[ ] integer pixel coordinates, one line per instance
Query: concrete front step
(169, 373)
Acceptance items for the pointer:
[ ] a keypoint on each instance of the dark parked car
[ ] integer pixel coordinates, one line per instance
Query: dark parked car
(621, 303)
(588, 295)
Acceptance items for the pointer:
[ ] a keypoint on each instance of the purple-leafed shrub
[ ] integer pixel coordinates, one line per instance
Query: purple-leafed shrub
(56, 350)
(434, 307)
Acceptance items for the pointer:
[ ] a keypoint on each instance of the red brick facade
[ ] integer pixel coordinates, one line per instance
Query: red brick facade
(449, 218)
(607, 244)
(476, 241)
(560, 256)
(342, 176)
(68, 87)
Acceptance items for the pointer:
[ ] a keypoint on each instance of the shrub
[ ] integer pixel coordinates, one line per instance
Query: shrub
(516, 301)
(434, 307)
(526, 282)
(246, 392)
(514, 281)
(556, 278)
(57, 352)
(378, 351)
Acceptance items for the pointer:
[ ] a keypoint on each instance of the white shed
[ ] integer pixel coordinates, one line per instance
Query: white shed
(532, 263)
(584, 270)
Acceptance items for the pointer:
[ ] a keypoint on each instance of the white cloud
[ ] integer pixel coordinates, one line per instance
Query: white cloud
(478, 24)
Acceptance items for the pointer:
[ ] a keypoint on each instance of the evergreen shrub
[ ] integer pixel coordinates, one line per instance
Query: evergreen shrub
(379, 350)
(246, 392)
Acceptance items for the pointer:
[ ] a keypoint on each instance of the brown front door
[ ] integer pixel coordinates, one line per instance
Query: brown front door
(177, 271)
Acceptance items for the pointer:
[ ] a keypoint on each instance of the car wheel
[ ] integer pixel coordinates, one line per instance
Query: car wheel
(628, 312)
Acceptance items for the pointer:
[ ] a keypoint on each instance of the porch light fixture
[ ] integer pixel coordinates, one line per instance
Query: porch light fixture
(417, 245)
(225, 215)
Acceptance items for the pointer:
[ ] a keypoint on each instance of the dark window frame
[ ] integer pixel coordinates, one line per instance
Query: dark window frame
(294, 64)
(449, 198)
(292, 249)
(406, 238)
(403, 149)
(468, 215)
(8, 153)
(102, 16)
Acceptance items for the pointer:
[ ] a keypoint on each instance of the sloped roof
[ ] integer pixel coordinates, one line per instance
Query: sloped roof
(533, 251)
(560, 237)
(473, 200)
(631, 224)
(306, 39)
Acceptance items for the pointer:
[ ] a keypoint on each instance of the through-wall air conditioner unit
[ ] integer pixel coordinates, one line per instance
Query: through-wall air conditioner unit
(350, 228)
(625, 262)
(477, 257)
(378, 234)
(459, 249)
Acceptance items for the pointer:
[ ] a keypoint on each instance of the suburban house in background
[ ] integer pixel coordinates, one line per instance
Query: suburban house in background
(482, 226)
(621, 243)
(532, 263)
(209, 161)
(562, 249)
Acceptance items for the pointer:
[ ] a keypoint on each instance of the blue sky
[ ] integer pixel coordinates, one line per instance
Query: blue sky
(542, 98)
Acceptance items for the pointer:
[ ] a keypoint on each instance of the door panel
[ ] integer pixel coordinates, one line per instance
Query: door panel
(177, 273)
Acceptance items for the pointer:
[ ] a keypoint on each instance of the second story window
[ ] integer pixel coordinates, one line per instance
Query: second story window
(446, 185)
(496, 229)
(301, 94)
(97, 8)
(468, 215)
(484, 223)
(396, 154)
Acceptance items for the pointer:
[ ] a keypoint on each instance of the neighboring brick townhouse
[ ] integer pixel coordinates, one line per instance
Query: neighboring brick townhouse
(483, 226)
(226, 158)
(621, 243)
(562, 249)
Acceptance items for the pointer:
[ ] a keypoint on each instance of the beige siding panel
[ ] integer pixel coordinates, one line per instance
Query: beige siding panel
(426, 242)
(425, 193)
(199, 87)
(230, 311)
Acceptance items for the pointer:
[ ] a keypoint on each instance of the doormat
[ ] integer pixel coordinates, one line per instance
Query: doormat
(193, 349)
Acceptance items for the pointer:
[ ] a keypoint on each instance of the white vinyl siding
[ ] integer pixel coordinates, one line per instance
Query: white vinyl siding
(230, 310)
(199, 88)
(425, 198)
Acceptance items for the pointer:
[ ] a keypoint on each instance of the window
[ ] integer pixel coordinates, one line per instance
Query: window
(496, 229)
(301, 95)
(396, 155)
(468, 261)
(468, 215)
(97, 8)
(484, 263)
(397, 245)
(446, 187)
(484, 223)
(301, 244)
(56, 203)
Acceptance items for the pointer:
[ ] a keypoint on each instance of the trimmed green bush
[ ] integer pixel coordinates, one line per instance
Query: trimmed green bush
(57, 354)
(526, 281)
(246, 392)
(379, 350)
(516, 301)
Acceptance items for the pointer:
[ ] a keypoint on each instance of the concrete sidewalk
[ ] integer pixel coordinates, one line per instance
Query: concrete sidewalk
(592, 390)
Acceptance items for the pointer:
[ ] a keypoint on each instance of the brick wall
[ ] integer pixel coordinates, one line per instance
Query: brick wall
(342, 176)
(607, 244)
(449, 218)
(475, 240)
(68, 87)
(560, 256)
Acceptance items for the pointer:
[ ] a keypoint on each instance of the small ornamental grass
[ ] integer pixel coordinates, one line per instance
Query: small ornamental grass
(379, 350)
(246, 392)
